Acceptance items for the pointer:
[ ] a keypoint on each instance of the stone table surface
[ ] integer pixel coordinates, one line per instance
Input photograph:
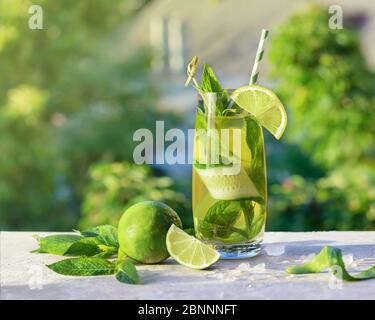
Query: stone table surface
(24, 275)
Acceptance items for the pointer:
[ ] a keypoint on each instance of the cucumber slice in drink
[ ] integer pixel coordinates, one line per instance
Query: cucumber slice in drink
(226, 183)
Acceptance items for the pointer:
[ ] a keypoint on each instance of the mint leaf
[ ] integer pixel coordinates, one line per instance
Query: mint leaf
(220, 219)
(224, 212)
(106, 254)
(88, 234)
(210, 83)
(331, 258)
(101, 239)
(254, 140)
(57, 244)
(200, 120)
(84, 247)
(121, 255)
(212, 231)
(83, 267)
(126, 272)
(221, 216)
(248, 212)
(106, 234)
(106, 251)
(256, 225)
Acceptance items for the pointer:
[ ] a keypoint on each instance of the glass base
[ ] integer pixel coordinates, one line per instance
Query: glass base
(239, 251)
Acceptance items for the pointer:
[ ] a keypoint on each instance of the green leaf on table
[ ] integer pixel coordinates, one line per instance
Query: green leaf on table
(106, 254)
(84, 247)
(57, 244)
(106, 251)
(84, 266)
(87, 234)
(106, 234)
(121, 255)
(126, 272)
(331, 258)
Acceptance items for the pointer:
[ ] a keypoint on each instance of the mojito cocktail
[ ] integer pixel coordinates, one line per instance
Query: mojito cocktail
(229, 164)
(229, 178)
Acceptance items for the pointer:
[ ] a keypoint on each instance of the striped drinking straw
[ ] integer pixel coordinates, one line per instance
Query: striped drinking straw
(258, 57)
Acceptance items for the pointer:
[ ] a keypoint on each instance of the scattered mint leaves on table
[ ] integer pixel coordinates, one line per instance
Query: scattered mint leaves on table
(331, 258)
(95, 251)
(84, 247)
(101, 240)
(83, 266)
(56, 244)
(126, 272)
(106, 235)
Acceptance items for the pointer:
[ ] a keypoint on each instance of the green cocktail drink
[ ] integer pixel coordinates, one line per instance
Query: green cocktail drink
(229, 165)
(229, 179)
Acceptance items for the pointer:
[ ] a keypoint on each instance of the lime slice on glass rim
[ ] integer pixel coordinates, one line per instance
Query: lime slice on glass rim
(264, 105)
(189, 251)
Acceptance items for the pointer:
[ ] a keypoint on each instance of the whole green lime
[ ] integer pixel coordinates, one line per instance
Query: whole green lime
(143, 228)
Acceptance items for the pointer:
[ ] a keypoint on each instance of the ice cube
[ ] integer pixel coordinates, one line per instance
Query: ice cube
(232, 277)
(217, 275)
(243, 266)
(274, 249)
(260, 267)
(348, 259)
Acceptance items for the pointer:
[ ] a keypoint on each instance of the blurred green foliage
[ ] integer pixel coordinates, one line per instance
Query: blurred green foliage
(340, 201)
(327, 85)
(116, 186)
(69, 107)
(66, 103)
(329, 92)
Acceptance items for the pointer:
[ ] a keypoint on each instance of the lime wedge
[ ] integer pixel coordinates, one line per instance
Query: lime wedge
(189, 251)
(264, 105)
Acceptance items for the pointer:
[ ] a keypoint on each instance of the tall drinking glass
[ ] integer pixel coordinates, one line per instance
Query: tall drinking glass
(229, 177)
